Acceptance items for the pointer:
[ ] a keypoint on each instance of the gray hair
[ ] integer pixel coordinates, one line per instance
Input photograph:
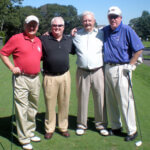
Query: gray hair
(60, 18)
(87, 13)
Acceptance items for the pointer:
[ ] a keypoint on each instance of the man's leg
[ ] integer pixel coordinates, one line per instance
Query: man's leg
(127, 104)
(111, 88)
(34, 87)
(50, 85)
(21, 107)
(97, 79)
(83, 90)
(63, 101)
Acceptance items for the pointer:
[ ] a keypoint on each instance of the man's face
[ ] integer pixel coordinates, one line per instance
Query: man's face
(57, 28)
(114, 21)
(31, 28)
(88, 22)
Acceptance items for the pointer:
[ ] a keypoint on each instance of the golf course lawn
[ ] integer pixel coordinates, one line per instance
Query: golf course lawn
(92, 140)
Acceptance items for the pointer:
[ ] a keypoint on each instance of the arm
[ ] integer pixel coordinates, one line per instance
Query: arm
(73, 50)
(135, 57)
(7, 62)
(73, 31)
(132, 64)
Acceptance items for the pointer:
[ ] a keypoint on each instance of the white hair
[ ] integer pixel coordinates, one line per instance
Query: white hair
(56, 18)
(87, 13)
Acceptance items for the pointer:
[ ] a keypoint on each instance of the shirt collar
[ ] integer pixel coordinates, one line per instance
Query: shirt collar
(51, 37)
(94, 30)
(27, 38)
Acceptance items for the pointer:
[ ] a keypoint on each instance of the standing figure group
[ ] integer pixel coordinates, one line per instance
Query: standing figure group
(105, 59)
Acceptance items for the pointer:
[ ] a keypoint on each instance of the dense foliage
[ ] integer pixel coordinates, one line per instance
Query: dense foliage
(12, 16)
(141, 25)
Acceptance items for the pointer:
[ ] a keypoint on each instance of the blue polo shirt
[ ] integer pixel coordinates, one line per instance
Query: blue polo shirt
(120, 44)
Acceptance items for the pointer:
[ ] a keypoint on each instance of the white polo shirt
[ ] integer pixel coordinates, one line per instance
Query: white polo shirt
(89, 48)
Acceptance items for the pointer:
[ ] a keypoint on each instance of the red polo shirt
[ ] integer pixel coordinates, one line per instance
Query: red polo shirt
(26, 54)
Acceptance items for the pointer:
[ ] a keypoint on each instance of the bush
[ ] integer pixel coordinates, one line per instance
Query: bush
(2, 34)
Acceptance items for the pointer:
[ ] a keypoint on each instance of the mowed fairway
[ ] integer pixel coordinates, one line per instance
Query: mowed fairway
(92, 140)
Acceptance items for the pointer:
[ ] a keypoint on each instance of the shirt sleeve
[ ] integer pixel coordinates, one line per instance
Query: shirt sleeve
(134, 41)
(9, 47)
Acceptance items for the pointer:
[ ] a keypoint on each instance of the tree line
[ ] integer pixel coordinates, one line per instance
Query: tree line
(12, 16)
(142, 25)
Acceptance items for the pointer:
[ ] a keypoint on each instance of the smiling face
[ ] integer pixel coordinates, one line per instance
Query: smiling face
(88, 22)
(31, 28)
(57, 27)
(114, 21)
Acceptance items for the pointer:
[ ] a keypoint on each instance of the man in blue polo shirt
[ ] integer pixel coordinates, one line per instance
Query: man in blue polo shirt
(122, 48)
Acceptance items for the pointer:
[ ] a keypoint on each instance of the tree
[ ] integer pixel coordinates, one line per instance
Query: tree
(141, 25)
(12, 16)
(9, 15)
(6, 8)
(145, 13)
(69, 13)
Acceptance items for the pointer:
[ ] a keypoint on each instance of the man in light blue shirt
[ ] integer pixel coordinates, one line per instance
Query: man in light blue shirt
(122, 47)
(89, 75)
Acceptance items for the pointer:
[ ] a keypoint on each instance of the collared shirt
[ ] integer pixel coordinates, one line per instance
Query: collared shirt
(26, 53)
(56, 53)
(89, 47)
(120, 44)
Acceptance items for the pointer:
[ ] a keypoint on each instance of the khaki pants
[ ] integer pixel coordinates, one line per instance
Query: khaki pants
(26, 93)
(56, 90)
(84, 82)
(119, 98)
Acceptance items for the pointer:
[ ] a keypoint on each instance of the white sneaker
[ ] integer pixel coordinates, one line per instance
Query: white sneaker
(104, 132)
(27, 147)
(35, 139)
(80, 131)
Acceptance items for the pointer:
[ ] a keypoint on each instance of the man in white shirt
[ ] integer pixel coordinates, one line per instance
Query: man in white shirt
(89, 75)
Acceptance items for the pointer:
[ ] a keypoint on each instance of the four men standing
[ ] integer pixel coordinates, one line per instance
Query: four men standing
(122, 47)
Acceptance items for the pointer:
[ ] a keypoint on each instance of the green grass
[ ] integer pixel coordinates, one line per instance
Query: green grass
(146, 43)
(92, 140)
(146, 56)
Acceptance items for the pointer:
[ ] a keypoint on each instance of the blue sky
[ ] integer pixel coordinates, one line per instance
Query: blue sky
(130, 8)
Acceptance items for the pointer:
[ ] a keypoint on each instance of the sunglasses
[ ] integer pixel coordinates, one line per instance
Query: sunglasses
(57, 25)
(113, 16)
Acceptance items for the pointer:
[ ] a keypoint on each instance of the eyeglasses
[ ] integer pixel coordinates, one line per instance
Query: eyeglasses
(57, 25)
(113, 16)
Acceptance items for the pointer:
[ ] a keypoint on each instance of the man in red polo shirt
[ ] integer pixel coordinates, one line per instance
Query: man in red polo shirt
(27, 52)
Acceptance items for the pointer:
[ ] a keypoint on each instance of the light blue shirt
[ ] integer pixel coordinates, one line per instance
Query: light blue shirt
(89, 48)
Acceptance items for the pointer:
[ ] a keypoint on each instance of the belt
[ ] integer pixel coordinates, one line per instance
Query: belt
(115, 64)
(54, 74)
(30, 75)
(89, 70)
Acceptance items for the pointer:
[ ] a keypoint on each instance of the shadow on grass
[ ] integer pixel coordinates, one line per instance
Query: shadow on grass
(146, 49)
(72, 123)
(146, 58)
(8, 129)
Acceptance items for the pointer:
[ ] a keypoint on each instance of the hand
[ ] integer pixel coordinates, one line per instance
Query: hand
(129, 67)
(46, 33)
(73, 31)
(16, 70)
(139, 61)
